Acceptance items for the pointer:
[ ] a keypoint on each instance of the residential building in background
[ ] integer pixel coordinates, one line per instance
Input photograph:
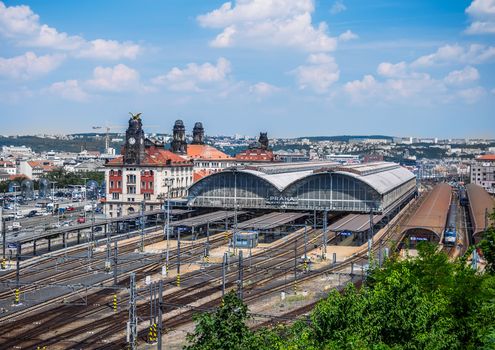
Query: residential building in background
(483, 172)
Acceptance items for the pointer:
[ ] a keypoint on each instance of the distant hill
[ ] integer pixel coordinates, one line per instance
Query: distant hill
(88, 141)
(38, 144)
(345, 138)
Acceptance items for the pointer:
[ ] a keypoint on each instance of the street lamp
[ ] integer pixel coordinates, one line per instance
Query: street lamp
(85, 179)
(167, 183)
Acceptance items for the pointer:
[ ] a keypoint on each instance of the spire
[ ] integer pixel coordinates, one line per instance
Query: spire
(198, 134)
(179, 144)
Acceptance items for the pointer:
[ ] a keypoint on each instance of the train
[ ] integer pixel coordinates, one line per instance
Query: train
(463, 198)
(450, 233)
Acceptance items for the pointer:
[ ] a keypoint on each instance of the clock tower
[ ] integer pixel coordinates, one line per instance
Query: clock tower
(134, 141)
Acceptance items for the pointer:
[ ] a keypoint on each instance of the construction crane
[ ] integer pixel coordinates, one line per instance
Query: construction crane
(107, 135)
(115, 127)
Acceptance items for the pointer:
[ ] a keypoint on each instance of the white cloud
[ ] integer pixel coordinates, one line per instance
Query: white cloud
(348, 35)
(463, 76)
(358, 89)
(109, 49)
(117, 78)
(337, 7)
(419, 88)
(267, 23)
(471, 95)
(405, 82)
(391, 70)
(69, 89)
(450, 54)
(263, 89)
(482, 13)
(29, 65)
(21, 25)
(195, 77)
(319, 74)
(402, 85)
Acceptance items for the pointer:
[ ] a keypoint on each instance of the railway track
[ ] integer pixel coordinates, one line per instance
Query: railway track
(178, 294)
(111, 325)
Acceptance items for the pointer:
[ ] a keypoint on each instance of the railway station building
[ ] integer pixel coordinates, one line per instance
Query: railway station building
(307, 186)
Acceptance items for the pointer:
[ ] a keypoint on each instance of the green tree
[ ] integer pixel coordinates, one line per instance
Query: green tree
(63, 178)
(487, 246)
(223, 329)
(426, 302)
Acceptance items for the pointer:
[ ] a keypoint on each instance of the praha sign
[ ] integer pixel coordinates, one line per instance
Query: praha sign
(281, 200)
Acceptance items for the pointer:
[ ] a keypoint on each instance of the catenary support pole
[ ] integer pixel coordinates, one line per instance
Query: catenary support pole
(224, 267)
(160, 315)
(115, 262)
(132, 326)
(241, 275)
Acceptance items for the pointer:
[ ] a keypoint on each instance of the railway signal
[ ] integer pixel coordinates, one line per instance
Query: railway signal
(152, 334)
(41, 348)
(178, 280)
(115, 303)
(4, 264)
(16, 296)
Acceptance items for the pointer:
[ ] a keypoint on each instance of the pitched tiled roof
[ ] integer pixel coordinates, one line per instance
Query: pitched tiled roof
(205, 152)
(255, 154)
(156, 157)
(490, 157)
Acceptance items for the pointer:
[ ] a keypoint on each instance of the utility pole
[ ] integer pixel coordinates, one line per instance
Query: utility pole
(234, 236)
(4, 239)
(152, 304)
(305, 243)
(142, 226)
(17, 265)
(160, 315)
(371, 224)
(324, 247)
(115, 259)
(295, 266)
(109, 249)
(132, 325)
(241, 275)
(178, 257)
(224, 266)
(167, 225)
(208, 238)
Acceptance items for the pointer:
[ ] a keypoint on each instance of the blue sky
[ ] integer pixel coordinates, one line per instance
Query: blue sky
(289, 67)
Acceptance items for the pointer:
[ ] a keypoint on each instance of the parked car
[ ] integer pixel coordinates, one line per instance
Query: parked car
(32, 214)
(81, 220)
(70, 208)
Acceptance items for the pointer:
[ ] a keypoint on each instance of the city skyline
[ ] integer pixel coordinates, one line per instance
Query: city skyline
(328, 67)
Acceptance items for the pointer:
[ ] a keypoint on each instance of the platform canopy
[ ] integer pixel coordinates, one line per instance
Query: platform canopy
(202, 220)
(270, 221)
(354, 223)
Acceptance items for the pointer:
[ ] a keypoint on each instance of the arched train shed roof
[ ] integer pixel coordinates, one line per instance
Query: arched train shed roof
(307, 185)
(381, 176)
(432, 213)
(480, 204)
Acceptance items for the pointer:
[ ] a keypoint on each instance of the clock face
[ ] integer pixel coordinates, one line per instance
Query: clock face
(132, 140)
